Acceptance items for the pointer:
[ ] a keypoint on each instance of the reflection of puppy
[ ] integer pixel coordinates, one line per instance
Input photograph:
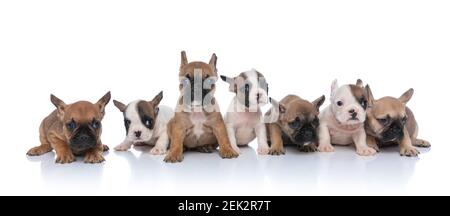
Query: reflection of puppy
(390, 121)
(73, 129)
(342, 122)
(244, 118)
(297, 123)
(145, 122)
(197, 123)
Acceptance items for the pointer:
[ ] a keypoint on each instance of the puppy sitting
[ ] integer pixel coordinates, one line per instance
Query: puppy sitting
(73, 129)
(390, 121)
(197, 123)
(244, 117)
(145, 123)
(293, 121)
(342, 122)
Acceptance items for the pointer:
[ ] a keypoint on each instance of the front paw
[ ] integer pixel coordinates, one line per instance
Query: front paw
(157, 151)
(263, 150)
(105, 148)
(409, 151)
(228, 153)
(276, 151)
(366, 151)
(122, 147)
(173, 157)
(65, 158)
(308, 148)
(326, 148)
(422, 143)
(96, 157)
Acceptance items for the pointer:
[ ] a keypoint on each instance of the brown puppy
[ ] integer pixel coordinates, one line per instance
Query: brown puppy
(73, 129)
(390, 121)
(296, 123)
(197, 123)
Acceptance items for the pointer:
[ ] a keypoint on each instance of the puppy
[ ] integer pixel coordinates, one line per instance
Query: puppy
(73, 129)
(244, 119)
(197, 123)
(293, 121)
(145, 123)
(342, 122)
(390, 121)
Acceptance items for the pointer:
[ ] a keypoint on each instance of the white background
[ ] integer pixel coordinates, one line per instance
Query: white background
(81, 49)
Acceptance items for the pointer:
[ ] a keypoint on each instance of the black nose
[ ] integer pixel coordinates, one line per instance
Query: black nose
(138, 133)
(354, 114)
(84, 137)
(351, 111)
(308, 134)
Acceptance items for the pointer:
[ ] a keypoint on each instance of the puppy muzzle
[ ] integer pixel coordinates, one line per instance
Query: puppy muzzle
(393, 133)
(306, 134)
(83, 140)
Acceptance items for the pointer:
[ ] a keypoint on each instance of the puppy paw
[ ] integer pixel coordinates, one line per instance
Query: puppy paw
(421, 143)
(228, 153)
(366, 151)
(173, 157)
(96, 157)
(105, 148)
(122, 147)
(326, 148)
(276, 151)
(65, 158)
(236, 149)
(263, 150)
(308, 148)
(157, 151)
(38, 150)
(409, 151)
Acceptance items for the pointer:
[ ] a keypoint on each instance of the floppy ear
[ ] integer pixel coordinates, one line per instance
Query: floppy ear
(359, 83)
(406, 96)
(318, 102)
(213, 62)
(370, 98)
(157, 99)
(184, 60)
(103, 102)
(231, 81)
(122, 107)
(334, 87)
(60, 105)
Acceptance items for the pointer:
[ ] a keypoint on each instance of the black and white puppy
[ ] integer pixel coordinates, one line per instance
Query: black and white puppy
(244, 120)
(146, 124)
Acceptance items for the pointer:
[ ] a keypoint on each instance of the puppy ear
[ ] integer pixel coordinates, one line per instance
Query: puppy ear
(334, 87)
(157, 99)
(406, 96)
(370, 98)
(60, 105)
(103, 102)
(359, 83)
(231, 81)
(184, 60)
(318, 102)
(213, 62)
(276, 104)
(122, 107)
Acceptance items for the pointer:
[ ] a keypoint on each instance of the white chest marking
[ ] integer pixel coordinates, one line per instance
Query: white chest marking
(198, 119)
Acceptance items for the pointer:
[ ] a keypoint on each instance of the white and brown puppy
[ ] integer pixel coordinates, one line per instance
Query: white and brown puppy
(145, 124)
(197, 123)
(390, 121)
(244, 120)
(342, 122)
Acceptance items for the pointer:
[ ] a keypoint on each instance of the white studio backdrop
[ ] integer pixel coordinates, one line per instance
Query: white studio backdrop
(79, 50)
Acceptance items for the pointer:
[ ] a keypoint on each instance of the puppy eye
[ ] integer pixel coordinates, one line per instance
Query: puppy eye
(95, 124)
(404, 119)
(186, 81)
(315, 122)
(148, 122)
(127, 122)
(294, 124)
(383, 121)
(363, 103)
(247, 87)
(209, 81)
(71, 125)
(340, 103)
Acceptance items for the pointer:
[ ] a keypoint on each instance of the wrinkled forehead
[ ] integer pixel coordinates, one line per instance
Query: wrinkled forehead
(302, 109)
(351, 91)
(389, 106)
(82, 112)
(251, 77)
(139, 109)
(197, 68)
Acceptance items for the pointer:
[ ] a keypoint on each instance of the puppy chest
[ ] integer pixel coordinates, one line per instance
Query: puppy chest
(198, 128)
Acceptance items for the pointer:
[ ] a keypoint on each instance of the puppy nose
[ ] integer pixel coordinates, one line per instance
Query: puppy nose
(137, 133)
(84, 137)
(351, 111)
(354, 115)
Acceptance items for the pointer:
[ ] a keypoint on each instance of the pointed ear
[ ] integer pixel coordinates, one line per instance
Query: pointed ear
(334, 87)
(281, 108)
(213, 62)
(406, 96)
(122, 107)
(157, 99)
(370, 98)
(103, 102)
(231, 81)
(184, 60)
(60, 105)
(318, 102)
(359, 83)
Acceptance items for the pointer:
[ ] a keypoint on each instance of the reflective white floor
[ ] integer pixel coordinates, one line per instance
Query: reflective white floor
(136, 172)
